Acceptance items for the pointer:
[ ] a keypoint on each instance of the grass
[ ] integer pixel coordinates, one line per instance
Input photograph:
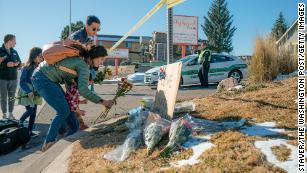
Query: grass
(282, 152)
(265, 102)
(264, 65)
(269, 60)
(233, 151)
(87, 156)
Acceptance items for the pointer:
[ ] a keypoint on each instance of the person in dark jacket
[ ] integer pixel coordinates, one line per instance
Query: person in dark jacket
(204, 58)
(89, 32)
(87, 35)
(46, 80)
(9, 63)
(26, 88)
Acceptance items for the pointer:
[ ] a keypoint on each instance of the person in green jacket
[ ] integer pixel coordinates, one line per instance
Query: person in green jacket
(204, 58)
(47, 78)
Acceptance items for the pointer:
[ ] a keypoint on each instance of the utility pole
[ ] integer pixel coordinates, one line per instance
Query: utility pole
(169, 42)
(69, 18)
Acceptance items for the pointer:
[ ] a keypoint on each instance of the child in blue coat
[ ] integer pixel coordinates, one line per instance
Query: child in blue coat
(28, 97)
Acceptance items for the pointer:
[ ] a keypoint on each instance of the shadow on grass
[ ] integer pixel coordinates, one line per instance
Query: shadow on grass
(260, 102)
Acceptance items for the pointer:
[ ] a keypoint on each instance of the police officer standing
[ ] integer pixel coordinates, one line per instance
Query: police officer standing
(204, 58)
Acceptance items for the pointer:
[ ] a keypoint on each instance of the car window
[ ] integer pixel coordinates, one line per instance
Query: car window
(193, 62)
(186, 59)
(220, 58)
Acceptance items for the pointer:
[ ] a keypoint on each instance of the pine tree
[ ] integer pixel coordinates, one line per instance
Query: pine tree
(218, 27)
(280, 27)
(74, 27)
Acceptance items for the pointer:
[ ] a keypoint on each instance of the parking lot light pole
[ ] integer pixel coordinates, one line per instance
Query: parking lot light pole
(169, 42)
(69, 17)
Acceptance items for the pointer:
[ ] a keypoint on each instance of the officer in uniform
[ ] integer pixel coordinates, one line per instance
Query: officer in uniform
(204, 58)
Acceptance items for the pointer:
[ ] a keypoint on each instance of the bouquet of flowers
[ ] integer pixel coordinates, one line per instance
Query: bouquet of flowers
(101, 75)
(180, 132)
(155, 129)
(123, 88)
(22, 96)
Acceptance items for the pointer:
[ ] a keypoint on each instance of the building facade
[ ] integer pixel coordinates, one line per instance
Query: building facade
(136, 45)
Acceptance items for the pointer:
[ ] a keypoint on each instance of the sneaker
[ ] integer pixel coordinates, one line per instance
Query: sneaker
(4, 116)
(33, 135)
(83, 127)
(11, 117)
(20, 123)
(25, 147)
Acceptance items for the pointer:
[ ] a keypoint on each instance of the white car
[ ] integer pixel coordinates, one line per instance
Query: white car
(222, 66)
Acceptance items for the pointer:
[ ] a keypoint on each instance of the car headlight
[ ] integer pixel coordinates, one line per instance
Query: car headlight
(155, 73)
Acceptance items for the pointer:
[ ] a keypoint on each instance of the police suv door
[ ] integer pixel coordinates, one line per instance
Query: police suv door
(190, 71)
(218, 68)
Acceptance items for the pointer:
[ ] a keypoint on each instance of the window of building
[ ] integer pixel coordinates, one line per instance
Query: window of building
(128, 45)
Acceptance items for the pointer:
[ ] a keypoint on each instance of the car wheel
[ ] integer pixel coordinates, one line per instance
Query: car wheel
(237, 74)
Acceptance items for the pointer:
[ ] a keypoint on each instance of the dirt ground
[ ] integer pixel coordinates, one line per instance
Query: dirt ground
(233, 151)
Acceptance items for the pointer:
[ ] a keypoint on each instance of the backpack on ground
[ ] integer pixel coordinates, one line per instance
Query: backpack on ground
(6, 123)
(12, 138)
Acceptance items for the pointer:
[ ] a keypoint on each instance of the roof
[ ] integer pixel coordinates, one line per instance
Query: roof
(294, 25)
(117, 37)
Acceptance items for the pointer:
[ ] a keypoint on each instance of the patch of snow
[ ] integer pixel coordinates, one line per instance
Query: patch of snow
(199, 145)
(184, 107)
(286, 76)
(262, 129)
(238, 87)
(265, 146)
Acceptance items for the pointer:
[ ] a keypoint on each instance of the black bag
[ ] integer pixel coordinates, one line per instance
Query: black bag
(4, 124)
(12, 138)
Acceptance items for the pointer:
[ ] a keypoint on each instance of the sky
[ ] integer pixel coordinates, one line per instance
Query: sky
(38, 22)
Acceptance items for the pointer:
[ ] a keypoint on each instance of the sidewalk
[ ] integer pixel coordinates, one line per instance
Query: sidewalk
(19, 159)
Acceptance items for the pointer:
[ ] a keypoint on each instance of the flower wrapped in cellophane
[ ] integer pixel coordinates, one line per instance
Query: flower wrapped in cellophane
(180, 132)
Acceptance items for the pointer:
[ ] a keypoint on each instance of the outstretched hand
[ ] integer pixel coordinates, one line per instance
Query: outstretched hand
(108, 103)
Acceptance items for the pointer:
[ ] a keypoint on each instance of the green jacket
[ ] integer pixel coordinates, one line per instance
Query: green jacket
(204, 56)
(26, 101)
(74, 63)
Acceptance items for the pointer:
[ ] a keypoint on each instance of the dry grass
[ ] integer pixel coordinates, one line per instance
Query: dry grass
(287, 61)
(282, 152)
(88, 154)
(234, 152)
(274, 102)
(264, 63)
(269, 60)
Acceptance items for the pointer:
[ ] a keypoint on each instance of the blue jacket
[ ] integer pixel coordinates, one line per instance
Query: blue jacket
(8, 73)
(81, 36)
(25, 79)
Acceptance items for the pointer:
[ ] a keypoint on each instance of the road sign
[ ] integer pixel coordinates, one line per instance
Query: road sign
(185, 30)
(119, 53)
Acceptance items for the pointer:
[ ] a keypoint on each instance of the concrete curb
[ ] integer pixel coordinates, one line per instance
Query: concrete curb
(48, 160)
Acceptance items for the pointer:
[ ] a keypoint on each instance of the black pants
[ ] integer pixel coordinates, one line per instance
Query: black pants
(203, 74)
(30, 112)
